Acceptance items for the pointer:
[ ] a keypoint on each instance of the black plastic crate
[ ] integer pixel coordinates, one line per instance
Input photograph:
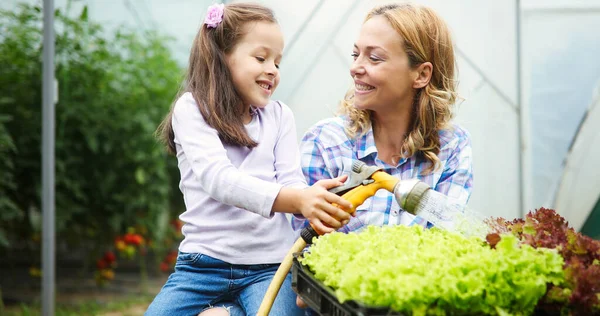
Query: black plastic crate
(322, 299)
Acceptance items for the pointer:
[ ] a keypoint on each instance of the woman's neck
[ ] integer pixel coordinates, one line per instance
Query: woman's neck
(390, 131)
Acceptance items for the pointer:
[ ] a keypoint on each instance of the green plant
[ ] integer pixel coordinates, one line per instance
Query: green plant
(544, 228)
(9, 211)
(114, 89)
(418, 271)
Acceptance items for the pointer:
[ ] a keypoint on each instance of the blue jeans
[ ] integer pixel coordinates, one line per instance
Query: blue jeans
(200, 282)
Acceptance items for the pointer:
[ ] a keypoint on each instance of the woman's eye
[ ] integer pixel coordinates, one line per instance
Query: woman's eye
(374, 58)
(354, 55)
(261, 59)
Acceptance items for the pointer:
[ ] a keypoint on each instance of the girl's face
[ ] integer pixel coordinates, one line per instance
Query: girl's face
(383, 78)
(254, 62)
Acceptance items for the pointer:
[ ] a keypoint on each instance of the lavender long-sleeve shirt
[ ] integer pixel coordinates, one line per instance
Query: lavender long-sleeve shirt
(229, 190)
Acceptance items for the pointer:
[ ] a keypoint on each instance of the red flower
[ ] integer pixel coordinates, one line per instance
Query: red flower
(133, 239)
(171, 257)
(110, 257)
(164, 267)
(177, 224)
(101, 264)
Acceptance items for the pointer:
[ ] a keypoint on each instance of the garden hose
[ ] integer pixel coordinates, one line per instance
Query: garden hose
(357, 196)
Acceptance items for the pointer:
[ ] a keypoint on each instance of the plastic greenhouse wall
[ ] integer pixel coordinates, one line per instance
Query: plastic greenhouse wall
(524, 105)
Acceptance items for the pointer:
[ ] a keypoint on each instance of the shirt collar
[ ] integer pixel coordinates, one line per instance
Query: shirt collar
(365, 147)
(365, 144)
(253, 110)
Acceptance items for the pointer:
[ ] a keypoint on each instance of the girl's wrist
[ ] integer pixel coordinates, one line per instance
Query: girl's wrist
(289, 200)
(297, 200)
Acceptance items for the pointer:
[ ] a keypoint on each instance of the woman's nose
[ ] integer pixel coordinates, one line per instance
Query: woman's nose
(356, 68)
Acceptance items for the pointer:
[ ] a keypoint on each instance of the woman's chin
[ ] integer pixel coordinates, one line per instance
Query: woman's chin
(362, 106)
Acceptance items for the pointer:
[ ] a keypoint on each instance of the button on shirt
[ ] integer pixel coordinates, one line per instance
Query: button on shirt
(327, 152)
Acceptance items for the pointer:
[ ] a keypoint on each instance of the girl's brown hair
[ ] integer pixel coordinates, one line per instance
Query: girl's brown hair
(426, 39)
(209, 80)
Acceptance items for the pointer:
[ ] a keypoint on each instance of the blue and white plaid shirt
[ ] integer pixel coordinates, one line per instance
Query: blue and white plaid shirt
(327, 152)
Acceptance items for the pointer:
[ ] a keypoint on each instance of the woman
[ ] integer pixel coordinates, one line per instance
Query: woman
(397, 116)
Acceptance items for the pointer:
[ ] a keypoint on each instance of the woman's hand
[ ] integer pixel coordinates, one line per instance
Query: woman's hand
(326, 211)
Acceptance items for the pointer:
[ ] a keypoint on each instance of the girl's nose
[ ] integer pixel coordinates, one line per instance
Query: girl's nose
(271, 70)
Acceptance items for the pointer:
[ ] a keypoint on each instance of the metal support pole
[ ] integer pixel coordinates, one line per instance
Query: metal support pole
(48, 134)
(523, 126)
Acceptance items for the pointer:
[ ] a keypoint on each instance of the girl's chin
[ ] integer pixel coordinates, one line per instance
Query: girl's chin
(260, 103)
(261, 106)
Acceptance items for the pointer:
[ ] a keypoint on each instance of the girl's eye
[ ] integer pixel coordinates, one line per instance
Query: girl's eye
(277, 66)
(261, 59)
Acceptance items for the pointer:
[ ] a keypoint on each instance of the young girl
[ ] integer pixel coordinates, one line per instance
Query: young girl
(240, 171)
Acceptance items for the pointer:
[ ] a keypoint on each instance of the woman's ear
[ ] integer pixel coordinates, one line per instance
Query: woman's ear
(424, 72)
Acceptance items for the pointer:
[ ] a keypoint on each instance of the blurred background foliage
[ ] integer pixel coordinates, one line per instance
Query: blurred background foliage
(112, 176)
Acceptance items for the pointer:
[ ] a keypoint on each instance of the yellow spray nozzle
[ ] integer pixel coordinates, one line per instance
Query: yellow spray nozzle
(380, 180)
(358, 195)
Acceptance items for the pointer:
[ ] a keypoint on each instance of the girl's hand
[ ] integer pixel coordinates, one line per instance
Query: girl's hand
(316, 205)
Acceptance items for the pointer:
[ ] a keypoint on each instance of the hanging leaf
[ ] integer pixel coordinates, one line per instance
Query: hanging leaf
(84, 14)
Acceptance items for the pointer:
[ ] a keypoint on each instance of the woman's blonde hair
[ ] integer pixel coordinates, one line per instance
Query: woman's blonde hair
(426, 39)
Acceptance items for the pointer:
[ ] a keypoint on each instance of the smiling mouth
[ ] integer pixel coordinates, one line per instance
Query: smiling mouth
(265, 86)
(363, 87)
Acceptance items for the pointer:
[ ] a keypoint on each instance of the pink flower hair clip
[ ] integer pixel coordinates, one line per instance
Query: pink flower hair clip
(214, 15)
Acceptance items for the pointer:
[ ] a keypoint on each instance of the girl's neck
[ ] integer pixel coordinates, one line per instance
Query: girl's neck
(247, 118)
(389, 132)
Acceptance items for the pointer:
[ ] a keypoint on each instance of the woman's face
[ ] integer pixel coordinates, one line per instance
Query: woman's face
(383, 79)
